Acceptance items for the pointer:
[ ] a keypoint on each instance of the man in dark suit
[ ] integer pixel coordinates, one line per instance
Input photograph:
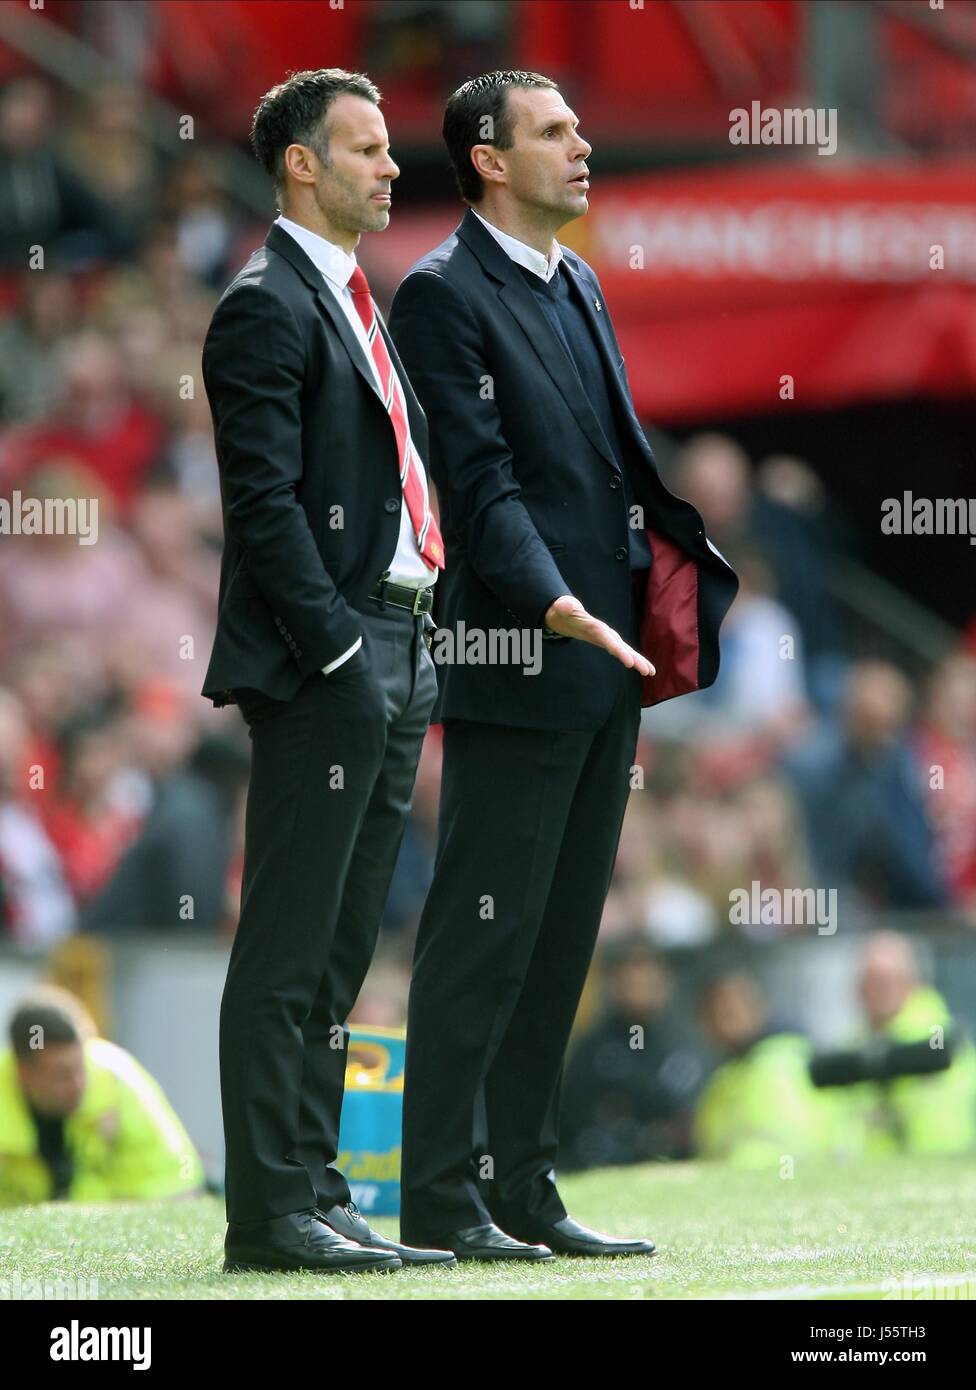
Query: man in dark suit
(553, 517)
(329, 556)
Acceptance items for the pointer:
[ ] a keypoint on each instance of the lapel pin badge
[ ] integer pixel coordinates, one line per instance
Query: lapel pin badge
(597, 305)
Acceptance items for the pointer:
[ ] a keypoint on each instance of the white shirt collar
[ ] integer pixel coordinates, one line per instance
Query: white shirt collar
(523, 254)
(334, 263)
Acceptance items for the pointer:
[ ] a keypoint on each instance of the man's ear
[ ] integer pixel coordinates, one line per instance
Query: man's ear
(485, 160)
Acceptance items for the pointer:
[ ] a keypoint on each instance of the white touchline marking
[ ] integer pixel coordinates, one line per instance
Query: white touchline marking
(935, 1282)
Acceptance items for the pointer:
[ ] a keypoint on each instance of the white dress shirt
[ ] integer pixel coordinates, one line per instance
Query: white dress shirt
(522, 253)
(336, 266)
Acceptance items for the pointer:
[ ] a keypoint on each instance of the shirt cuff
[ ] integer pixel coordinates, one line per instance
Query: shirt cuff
(344, 657)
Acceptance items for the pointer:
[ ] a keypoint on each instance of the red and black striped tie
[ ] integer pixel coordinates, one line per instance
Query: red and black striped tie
(429, 540)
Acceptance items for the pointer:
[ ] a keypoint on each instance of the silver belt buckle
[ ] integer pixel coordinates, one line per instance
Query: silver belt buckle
(417, 608)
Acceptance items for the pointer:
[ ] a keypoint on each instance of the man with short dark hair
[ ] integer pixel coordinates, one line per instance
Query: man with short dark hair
(554, 518)
(330, 553)
(80, 1119)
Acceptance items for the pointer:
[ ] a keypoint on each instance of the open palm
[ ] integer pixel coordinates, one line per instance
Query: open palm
(567, 616)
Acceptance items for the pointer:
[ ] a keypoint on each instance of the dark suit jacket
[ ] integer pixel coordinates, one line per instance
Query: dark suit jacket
(309, 476)
(531, 499)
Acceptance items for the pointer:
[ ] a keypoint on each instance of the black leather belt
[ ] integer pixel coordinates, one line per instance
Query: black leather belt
(416, 601)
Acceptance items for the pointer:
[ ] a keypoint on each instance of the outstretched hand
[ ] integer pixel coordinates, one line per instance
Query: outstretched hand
(567, 616)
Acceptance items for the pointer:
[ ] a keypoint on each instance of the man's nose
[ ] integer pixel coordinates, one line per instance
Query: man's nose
(585, 150)
(392, 170)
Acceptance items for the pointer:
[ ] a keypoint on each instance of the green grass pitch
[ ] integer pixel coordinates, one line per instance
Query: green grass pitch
(902, 1229)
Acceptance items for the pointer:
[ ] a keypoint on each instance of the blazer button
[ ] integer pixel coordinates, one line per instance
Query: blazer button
(392, 504)
(620, 553)
(298, 651)
(278, 622)
(614, 480)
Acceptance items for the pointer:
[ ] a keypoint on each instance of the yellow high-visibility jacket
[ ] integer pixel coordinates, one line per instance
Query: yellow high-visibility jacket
(126, 1140)
(931, 1114)
(761, 1107)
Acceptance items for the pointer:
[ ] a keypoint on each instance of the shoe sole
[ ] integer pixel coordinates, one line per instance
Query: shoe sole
(604, 1254)
(494, 1257)
(244, 1265)
(429, 1264)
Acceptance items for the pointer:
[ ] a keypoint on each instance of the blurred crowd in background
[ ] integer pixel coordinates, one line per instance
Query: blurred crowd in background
(804, 764)
(122, 790)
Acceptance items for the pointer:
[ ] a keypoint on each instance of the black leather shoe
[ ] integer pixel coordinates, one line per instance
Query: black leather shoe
(568, 1237)
(352, 1225)
(301, 1240)
(487, 1242)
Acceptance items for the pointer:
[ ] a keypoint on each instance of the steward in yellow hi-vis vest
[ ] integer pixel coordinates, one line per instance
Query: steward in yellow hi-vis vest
(80, 1119)
(759, 1106)
(928, 1114)
(932, 1114)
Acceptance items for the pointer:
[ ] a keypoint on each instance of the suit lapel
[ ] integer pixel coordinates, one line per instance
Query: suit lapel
(279, 240)
(599, 325)
(327, 301)
(521, 303)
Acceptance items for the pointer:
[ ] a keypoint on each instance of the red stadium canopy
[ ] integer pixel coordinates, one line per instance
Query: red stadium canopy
(723, 282)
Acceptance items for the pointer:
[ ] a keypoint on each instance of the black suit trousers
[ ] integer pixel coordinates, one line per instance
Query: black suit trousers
(528, 831)
(332, 775)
